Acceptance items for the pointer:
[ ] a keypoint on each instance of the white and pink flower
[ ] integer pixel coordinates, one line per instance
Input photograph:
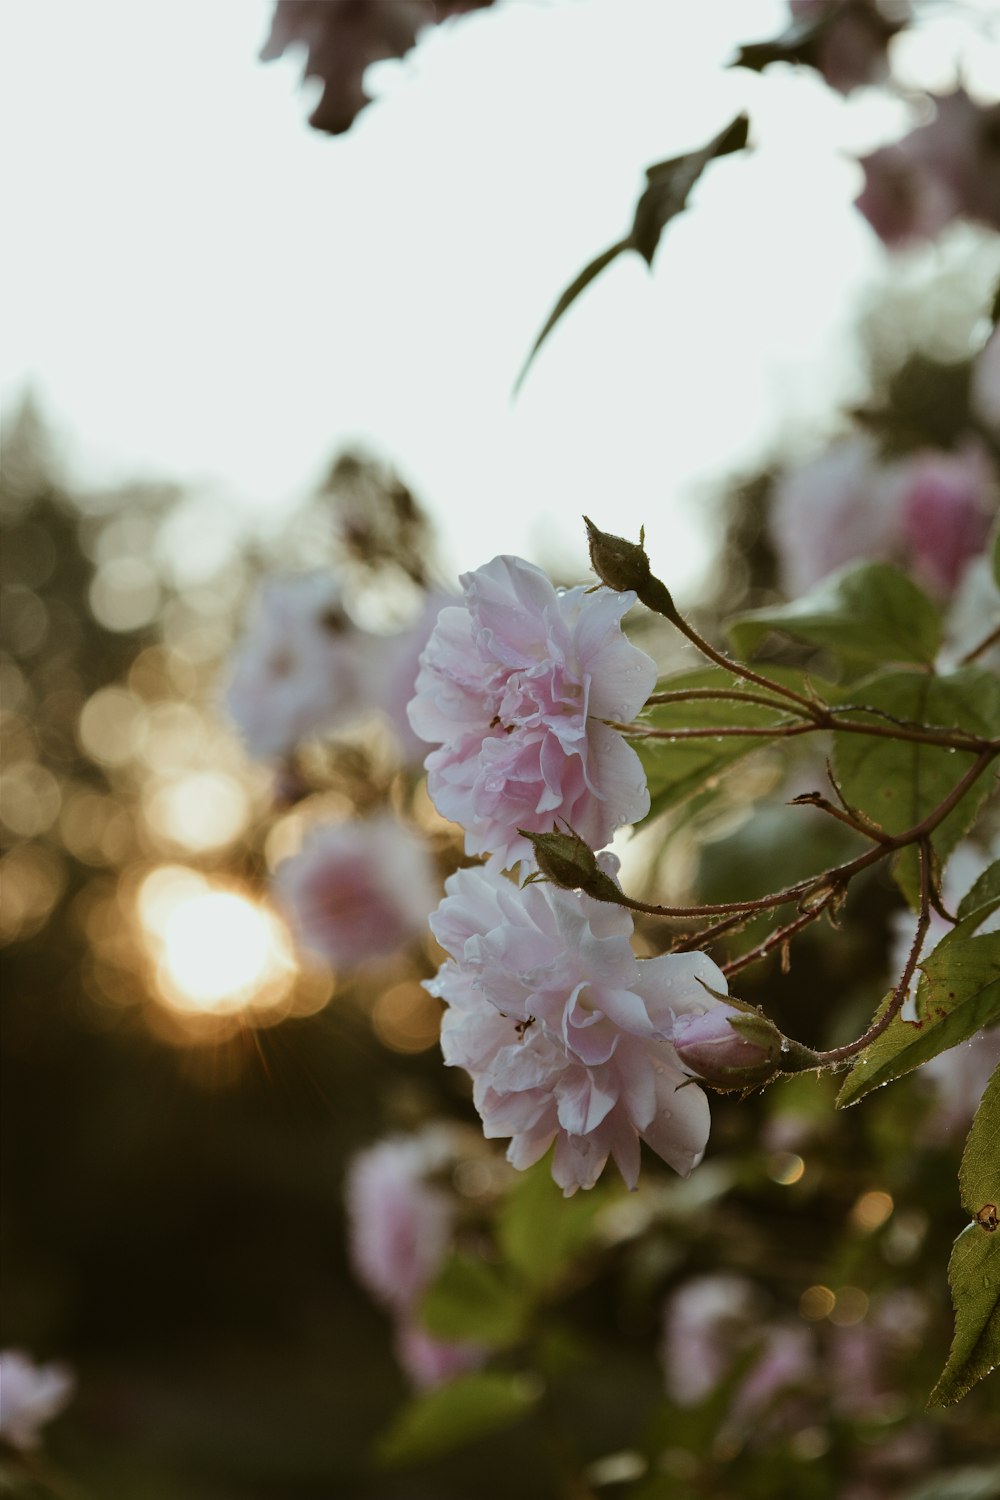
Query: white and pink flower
(565, 1032)
(30, 1396)
(358, 892)
(301, 666)
(513, 687)
(400, 1229)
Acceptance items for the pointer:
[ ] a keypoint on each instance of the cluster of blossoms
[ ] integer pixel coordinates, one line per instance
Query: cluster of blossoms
(567, 1035)
(401, 1226)
(794, 1373)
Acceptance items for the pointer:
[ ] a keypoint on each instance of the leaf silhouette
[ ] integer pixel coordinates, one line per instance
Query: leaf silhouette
(668, 184)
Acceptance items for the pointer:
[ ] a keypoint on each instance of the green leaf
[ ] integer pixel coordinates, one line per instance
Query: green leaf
(869, 613)
(985, 892)
(677, 769)
(979, 1174)
(668, 185)
(897, 783)
(958, 994)
(471, 1302)
(974, 1277)
(468, 1408)
(541, 1233)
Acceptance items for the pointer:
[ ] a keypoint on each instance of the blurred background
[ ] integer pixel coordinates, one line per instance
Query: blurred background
(229, 335)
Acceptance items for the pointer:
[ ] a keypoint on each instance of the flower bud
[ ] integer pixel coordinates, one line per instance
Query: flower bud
(568, 862)
(623, 565)
(729, 1049)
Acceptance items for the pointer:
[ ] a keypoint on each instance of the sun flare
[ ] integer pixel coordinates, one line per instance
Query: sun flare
(218, 953)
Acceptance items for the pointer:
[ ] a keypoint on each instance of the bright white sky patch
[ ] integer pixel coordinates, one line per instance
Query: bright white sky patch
(201, 287)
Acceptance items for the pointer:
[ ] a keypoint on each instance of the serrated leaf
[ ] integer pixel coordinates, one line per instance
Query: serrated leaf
(471, 1302)
(974, 1277)
(447, 1418)
(677, 769)
(869, 613)
(958, 994)
(984, 892)
(540, 1232)
(668, 184)
(897, 783)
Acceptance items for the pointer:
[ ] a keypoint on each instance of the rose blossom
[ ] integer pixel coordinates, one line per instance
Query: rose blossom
(30, 1396)
(357, 891)
(929, 512)
(940, 171)
(300, 667)
(400, 1228)
(512, 686)
(830, 511)
(946, 504)
(565, 1032)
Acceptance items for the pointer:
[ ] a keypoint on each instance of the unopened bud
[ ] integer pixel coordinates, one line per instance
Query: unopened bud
(567, 861)
(623, 565)
(728, 1048)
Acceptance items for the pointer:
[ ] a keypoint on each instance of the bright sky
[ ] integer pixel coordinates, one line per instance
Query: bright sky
(200, 287)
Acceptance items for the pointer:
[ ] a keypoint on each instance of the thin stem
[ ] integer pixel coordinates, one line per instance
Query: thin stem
(732, 695)
(945, 738)
(902, 989)
(737, 668)
(843, 814)
(835, 878)
(984, 645)
(776, 938)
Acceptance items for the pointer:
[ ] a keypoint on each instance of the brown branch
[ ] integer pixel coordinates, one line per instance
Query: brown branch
(902, 988)
(984, 645)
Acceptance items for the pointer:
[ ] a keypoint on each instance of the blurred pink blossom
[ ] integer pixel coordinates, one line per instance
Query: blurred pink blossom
(708, 1323)
(358, 892)
(395, 674)
(565, 1033)
(513, 686)
(400, 1229)
(851, 48)
(429, 1361)
(946, 502)
(833, 510)
(930, 512)
(30, 1396)
(943, 170)
(300, 667)
(400, 1225)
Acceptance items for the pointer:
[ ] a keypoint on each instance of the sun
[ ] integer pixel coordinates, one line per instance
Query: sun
(217, 952)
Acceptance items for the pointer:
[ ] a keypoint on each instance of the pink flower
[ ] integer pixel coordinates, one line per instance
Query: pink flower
(512, 687)
(704, 1326)
(940, 171)
(357, 892)
(850, 49)
(395, 675)
(710, 1322)
(429, 1361)
(400, 1229)
(565, 1032)
(30, 1396)
(400, 1225)
(832, 511)
(712, 1049)
(945, 509)
(929, 512)
(300, 667)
